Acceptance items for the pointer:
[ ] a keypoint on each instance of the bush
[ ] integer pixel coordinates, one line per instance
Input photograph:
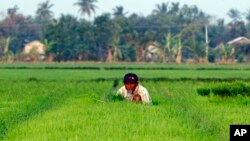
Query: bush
(203, 91)
(236, 88)
(221, 89)
(226, 89)
(231, 89)
(247, 90)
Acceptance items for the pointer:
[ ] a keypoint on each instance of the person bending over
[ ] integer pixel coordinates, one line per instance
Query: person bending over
(133, 91)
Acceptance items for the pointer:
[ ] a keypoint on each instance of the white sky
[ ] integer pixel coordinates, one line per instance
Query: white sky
(218, 8)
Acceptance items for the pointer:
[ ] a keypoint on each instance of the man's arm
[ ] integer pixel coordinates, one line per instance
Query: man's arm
(118, 96)
(146, 98)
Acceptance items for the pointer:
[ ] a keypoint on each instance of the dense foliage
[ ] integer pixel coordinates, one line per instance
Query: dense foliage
(177, 33)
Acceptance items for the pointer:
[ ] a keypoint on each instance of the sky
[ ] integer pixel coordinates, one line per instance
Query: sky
(217, 8)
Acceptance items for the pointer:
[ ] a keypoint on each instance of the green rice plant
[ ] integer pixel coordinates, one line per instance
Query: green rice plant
(236, 88)
(230, 89)
(203, 91)
(222, 89)
(247, 90)
(157, 75)
(71, 105)
(117, 98)
(78, 113)
(82, 117)
(22, 101)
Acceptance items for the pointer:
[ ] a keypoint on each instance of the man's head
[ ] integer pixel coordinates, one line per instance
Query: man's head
(130, 81)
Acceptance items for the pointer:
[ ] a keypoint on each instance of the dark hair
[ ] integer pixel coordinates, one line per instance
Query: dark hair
(130, 77)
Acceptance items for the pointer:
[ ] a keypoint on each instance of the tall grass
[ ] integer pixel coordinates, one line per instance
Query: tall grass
(54, 105)
(86, 117)
(79, 111)
(21, 101)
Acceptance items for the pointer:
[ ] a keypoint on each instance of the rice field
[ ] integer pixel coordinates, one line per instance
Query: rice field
(75, 105)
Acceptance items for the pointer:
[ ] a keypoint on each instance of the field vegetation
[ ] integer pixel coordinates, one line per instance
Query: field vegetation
(77, 104)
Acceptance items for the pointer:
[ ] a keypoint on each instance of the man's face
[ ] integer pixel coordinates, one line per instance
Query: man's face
(130, 86)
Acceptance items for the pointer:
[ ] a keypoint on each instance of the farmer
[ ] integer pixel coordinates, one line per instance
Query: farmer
(133, 91)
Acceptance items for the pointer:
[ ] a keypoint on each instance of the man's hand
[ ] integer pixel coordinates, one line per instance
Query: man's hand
(137, 98)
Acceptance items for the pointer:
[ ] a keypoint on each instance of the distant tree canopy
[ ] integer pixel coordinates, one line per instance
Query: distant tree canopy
(86, 6)
(176, 33)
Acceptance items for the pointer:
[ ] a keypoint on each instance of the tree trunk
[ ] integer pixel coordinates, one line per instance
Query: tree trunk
(109, 56)
(115, 54)
(231, 58)
(10, 58)
(224, 59)
(179, 56)
(139, 53)
(50, 57)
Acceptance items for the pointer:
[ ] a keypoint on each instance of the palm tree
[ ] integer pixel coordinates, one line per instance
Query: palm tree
(7, 54)
(178, 58)
(174, 8)
(167, 48)
(115, 43)
(12, 11)
(119, 11)
(226, 52)
(43, 12)
(48, 47)
(86, 6)
(234, 14)
(247, 14)
(161, 8)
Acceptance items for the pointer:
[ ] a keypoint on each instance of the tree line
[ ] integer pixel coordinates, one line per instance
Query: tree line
(171, 33)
